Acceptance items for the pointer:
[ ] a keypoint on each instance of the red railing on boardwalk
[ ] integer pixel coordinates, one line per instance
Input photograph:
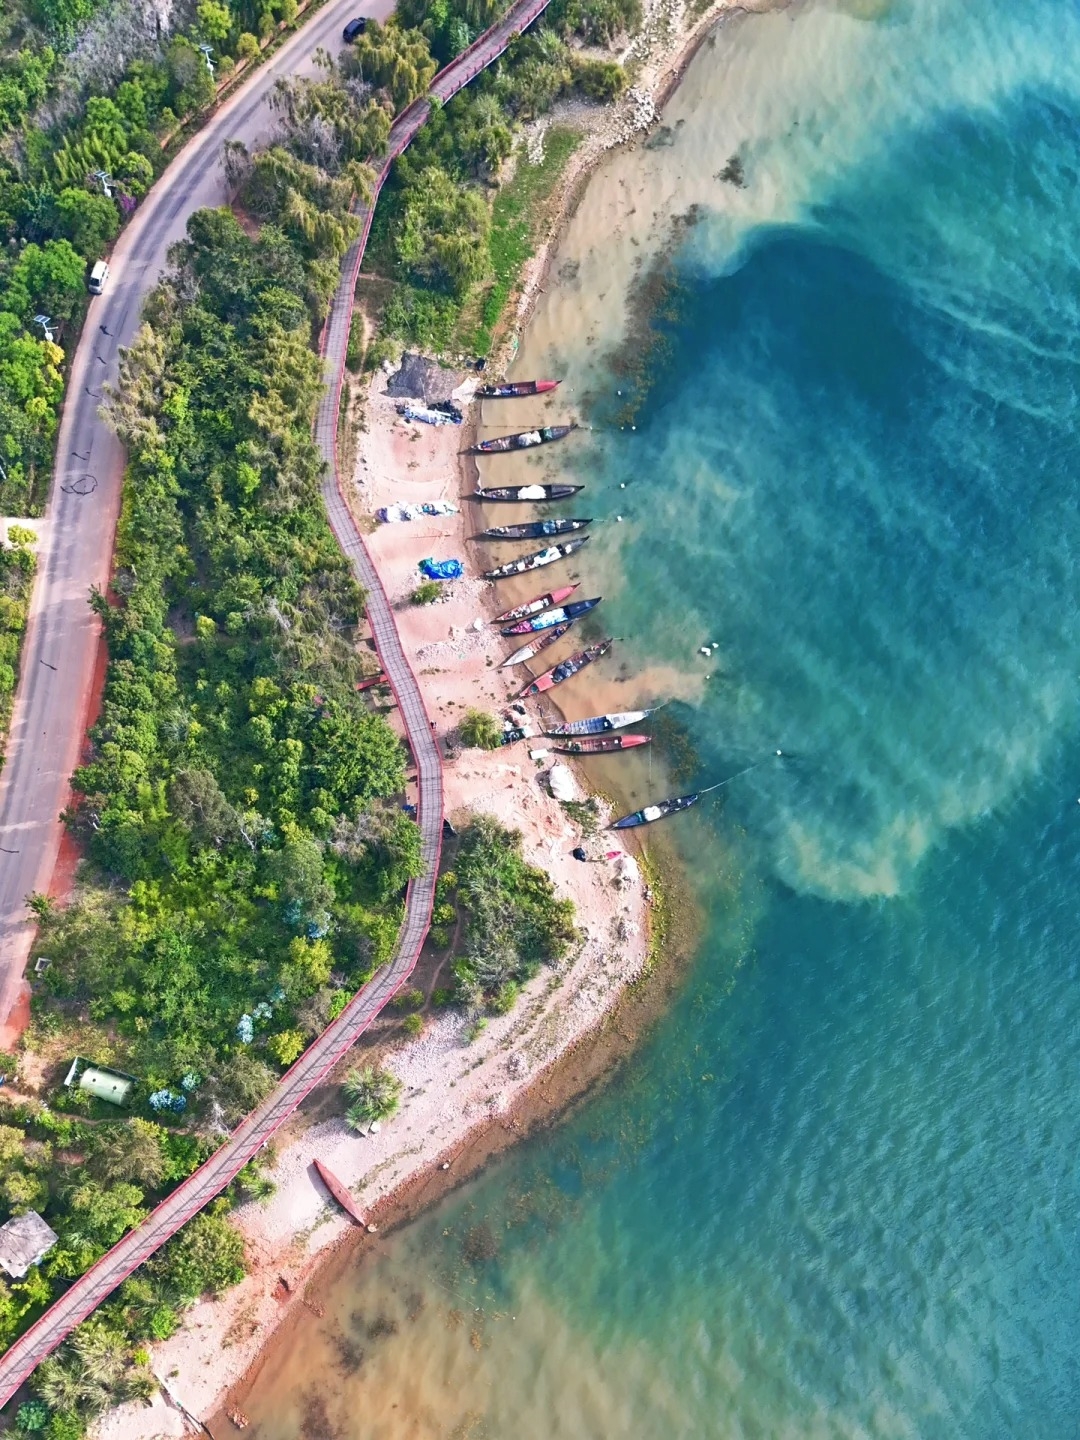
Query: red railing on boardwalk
(88, 1292)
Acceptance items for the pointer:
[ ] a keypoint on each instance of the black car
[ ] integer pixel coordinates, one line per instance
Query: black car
(353, 29)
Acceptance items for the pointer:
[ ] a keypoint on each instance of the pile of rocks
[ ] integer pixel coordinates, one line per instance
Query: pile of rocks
(534, 143)
(636, 113)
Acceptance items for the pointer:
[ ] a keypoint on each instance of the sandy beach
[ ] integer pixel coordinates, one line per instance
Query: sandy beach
(455, 1092)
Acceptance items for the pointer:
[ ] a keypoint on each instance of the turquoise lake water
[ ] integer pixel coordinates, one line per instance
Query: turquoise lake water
(837, 1193)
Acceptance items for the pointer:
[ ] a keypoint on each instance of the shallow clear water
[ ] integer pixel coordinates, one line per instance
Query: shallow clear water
(837, 1193)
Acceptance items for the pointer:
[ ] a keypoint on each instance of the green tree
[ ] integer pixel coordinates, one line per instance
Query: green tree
(360, 758)
(207, 1257)
(190, 84)
(49, 277)
(88, 221)
(240, 1084)
(394, 60)
(480, 730)
(215, 21)
(129, 1150)
(297, 871)
(286, 1046)
(101, 1216)
(196, 799)
(443, 239)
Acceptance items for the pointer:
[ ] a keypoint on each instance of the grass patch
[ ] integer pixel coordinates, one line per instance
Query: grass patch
(515, 224)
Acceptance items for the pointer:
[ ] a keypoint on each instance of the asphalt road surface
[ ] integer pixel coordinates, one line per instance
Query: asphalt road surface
(195, 174)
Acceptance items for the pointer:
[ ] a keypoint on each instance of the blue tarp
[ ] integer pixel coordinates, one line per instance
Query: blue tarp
(442, 569)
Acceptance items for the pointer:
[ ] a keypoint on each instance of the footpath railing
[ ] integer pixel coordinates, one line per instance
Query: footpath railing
(91, 1289)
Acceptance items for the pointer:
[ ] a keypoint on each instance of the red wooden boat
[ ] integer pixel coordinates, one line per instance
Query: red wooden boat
(340, 1193)
(567, 668)
(533, 607)
(600, 744)
(379, 679)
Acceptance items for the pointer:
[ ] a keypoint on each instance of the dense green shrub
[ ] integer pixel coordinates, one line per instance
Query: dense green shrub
(393, 58)
(515, 921)
(443, 240)
(480, 730)
(601, 80)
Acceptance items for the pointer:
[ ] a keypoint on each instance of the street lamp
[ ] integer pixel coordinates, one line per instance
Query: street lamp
(207, 51)
(45, 321)
(106, 182)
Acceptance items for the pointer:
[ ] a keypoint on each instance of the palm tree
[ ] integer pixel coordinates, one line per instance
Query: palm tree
(59, 1382)
(374, 1093)
(101, 1353)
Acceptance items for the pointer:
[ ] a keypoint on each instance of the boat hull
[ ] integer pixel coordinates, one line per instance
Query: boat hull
(534, 530)
(523, 440)
(515, 389)
(566, 669)
(553, 617)
(526, 563)
(519, 494)
(340, 1193)
(599, 724)
(534, 606)
(535, 646)
(651, 813)
(601, 744)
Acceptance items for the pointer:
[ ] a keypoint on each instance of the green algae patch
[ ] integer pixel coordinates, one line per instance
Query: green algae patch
(517, 224)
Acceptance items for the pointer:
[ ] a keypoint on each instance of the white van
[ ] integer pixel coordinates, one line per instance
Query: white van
(98, 276)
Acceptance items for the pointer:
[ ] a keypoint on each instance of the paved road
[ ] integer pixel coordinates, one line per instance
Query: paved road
(61, 643)
(91, 1289)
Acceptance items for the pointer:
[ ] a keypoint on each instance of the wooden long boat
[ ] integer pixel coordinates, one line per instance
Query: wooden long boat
(371, 680)
(525, 440)
(601, 744)
(340, 1193)
(536, 604)
(553, 617)
(534, 647)
(599, 724)
(518, 494)
(566, 669)
(534, 529)
(537, 561)
(514, 389)
(651, 813)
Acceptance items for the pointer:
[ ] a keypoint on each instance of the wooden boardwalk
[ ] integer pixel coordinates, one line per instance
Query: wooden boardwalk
(91, 1289)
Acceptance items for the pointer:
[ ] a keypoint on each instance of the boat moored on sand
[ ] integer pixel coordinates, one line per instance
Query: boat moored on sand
(537, 561)
(534, 530)
(519, 494)
(601, 744)
(534, 606)
(599, 724)
(554, 617)
(514, 389)
(650, 813)
(566, 669)
(525, 440)
(535, 646)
